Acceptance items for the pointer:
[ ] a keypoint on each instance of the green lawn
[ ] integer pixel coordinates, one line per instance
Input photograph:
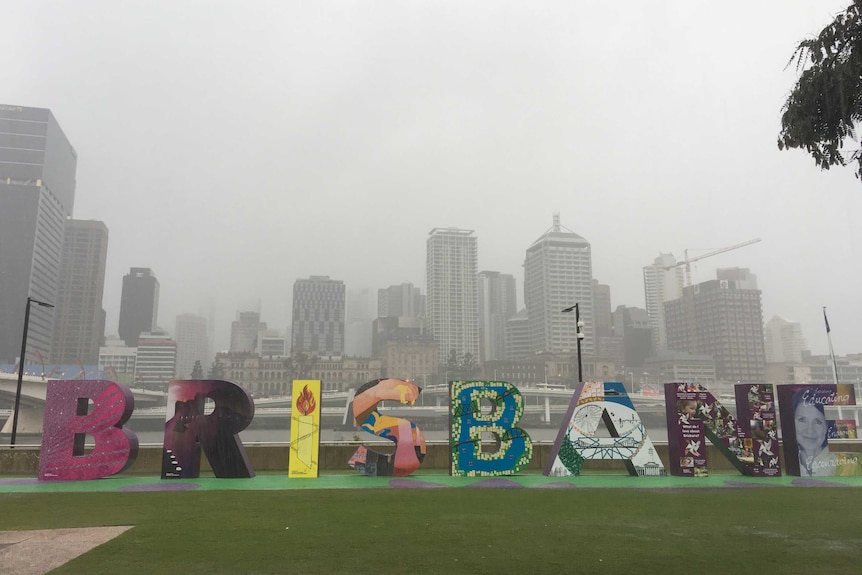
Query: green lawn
(756, 530)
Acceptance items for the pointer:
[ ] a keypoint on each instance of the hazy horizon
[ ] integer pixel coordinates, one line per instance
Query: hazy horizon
(235, 149)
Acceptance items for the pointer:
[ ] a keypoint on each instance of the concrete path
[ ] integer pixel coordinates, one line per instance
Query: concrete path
(40, 551)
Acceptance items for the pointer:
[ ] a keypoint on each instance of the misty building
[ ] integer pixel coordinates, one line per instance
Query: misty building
(631, 325)
(390, 328)
(663, 281)
(358, 317)
(271, 344)
(139, 305)
(37, 193)
(156, 361)
(79, 320)
(723, 318)
(784, 341)
(451, 263)
(244, 331)
(407, 351)
(318, 316)
(402, 300)
(678, 366)
(193, 344)
(603, 322)
(497, 303)
(118, 360)
(558, 274)
(518, 336)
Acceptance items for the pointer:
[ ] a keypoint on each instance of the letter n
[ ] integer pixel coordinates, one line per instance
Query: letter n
(750, 442)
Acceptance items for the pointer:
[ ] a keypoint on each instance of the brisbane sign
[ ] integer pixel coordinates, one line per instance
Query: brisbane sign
(485, 438)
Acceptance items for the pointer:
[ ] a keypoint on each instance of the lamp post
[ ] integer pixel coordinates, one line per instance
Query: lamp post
(579, 325)
(21, 364)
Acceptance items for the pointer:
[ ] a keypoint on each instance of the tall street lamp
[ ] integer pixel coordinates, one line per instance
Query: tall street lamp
(21, 364)
(580, 326)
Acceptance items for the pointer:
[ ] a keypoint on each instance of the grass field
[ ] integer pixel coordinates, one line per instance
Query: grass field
(773, 530)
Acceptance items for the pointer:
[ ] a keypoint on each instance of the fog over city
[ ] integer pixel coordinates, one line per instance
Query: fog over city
(234, 147)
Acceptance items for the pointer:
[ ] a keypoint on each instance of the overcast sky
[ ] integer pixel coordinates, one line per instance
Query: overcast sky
(235, 147)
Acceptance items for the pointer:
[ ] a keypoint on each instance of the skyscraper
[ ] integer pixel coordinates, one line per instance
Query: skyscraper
(139, 305)
(403, 300)
(37, 193)
(357, 323)
(723, 318)
(497, 303)
(663, 281)
(79, 320)
(193, 344)
(558, 273)
(244, 332)
(603, 319)
(318, 316)
(784, 341)
(631, 324)
(452, 263)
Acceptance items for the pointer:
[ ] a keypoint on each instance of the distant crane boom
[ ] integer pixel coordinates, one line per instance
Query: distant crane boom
(687, 261)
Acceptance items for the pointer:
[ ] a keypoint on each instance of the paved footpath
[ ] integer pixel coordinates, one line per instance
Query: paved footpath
(39, 551)
(420, 481)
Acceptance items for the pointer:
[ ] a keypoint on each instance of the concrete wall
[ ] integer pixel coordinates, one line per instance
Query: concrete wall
(333, 457)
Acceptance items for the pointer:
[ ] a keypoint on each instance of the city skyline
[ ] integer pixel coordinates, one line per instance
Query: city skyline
(343, 173)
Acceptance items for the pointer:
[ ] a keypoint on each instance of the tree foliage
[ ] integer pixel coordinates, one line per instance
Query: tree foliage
(216, 371)
(826, 103)
(197, 370)
(462, 366)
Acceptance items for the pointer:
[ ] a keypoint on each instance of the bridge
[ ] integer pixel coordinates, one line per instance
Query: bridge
(541, 400)
(32, 407)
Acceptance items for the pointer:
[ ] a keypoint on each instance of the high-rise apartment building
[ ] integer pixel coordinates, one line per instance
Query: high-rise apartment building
(558, 273)
(244, 332)
(403, 300)
(663, 281)
(784, 341)
(37, 193)
(452, 264)
(139, 305)
(79, 320)
(723, 318)
(193, 344)
(318, 316)
(497, 303)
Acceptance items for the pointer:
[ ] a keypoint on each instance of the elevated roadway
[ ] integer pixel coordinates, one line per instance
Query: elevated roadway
(32, 406)
(541, 401)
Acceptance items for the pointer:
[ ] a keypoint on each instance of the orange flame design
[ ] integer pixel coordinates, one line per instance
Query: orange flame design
(305, 403)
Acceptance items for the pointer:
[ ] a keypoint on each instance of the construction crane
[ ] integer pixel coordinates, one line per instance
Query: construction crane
(687, 261)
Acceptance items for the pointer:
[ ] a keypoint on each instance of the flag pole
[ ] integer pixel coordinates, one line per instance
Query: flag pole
(831, 351)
